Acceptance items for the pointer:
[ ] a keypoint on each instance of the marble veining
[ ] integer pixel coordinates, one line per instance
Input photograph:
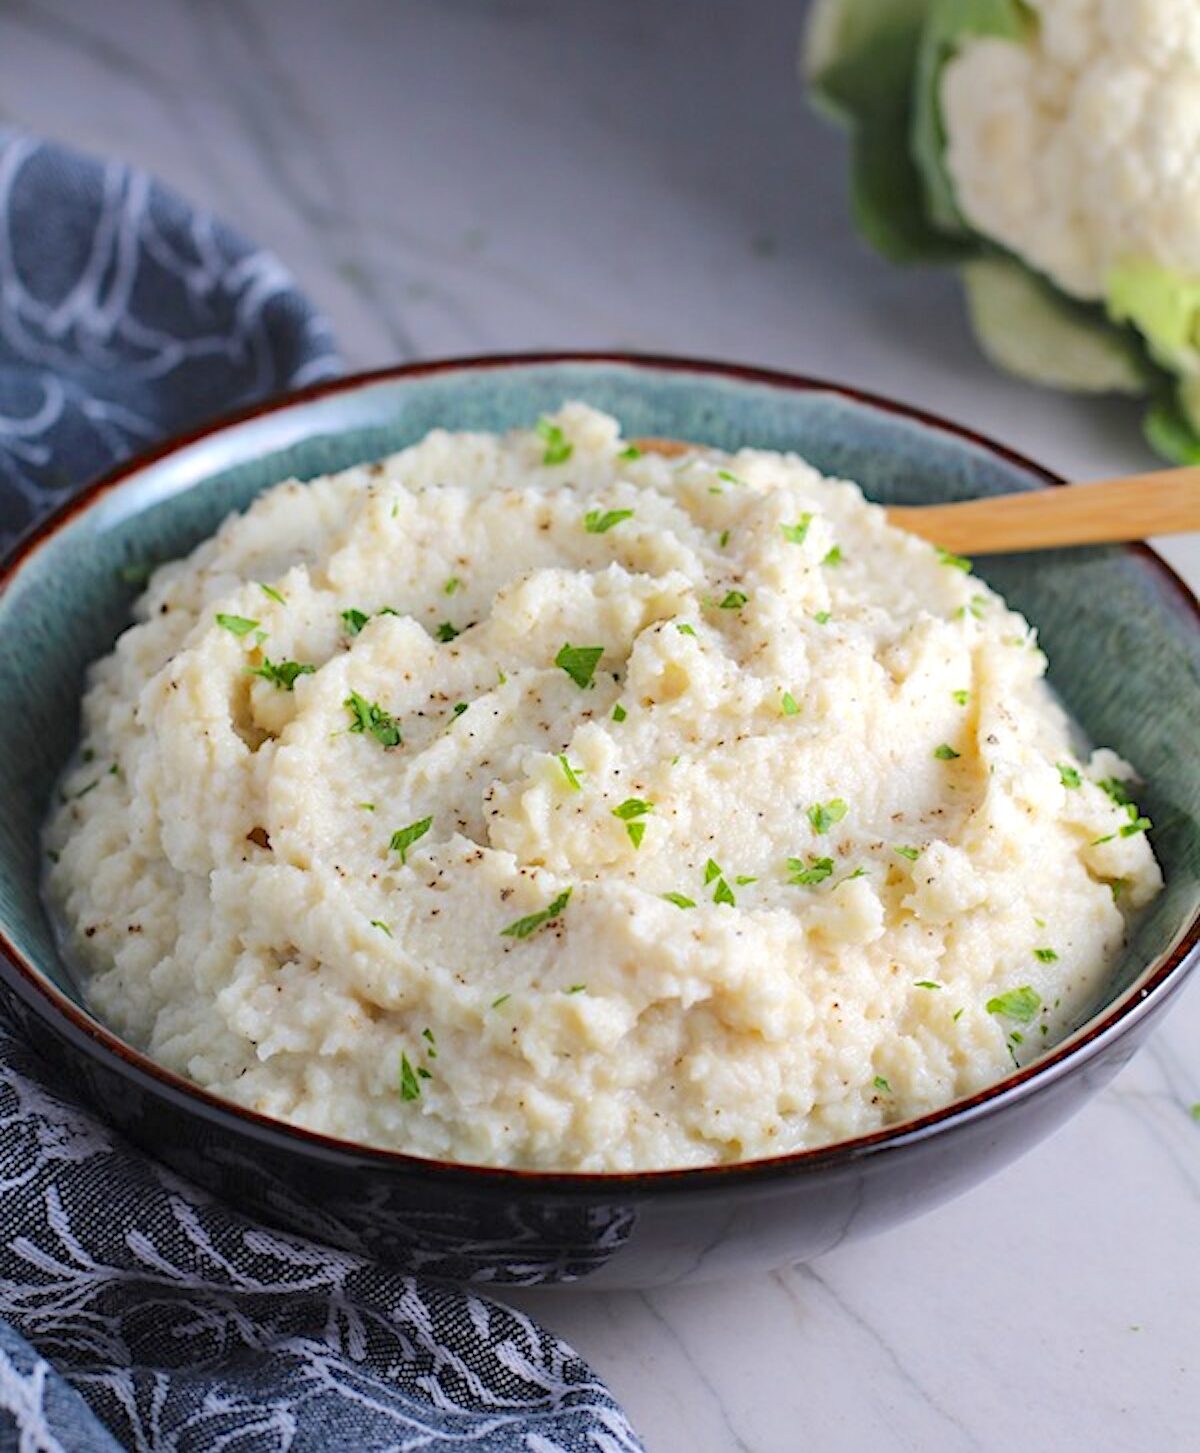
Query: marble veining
(499, 176)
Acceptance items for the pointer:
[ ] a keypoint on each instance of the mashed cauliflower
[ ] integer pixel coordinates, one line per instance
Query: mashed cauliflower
(534, 801)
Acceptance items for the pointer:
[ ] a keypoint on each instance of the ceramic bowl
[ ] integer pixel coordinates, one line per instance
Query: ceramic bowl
(1119, 628)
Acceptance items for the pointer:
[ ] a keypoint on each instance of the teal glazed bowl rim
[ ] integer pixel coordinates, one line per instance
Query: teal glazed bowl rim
(1160, 977)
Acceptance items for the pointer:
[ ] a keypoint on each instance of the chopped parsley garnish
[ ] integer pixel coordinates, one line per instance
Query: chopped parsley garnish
(235, 625)
(369, 716)
(804, 875)
(882, 1084)
(823, 617)
(734, 600)
(927, 984)
(523, 927)
(579, 662)
(834, 557)
(1019, 1004)
(1195, 1111)
(1116, 888)
(955, 562)
(570, 773)
(451, 585)
(599, 522)
(1116, 789)
(379, 923)
(680, 900)
(685, 629)
(575, 989)
(823, 815)
(427, 1036)
(743, 878)
(1117, 792)
(446, 631)
(796, 534)
(271, 593)
(723, 893)
(619, 713)
(459, 707)
(723, 539)
(631, 451)
(912, 854)
(1069, 776)
(1045, 955)
(729, 477)
(410, 1085)
(788, 705)
(281, 673)
(367, 806)
(636, 831)
(962, 697)
(558, 447)
(404, 837)
(974, 607)
(632, 807)
(946, 753)
(502, 999)
(354, 620)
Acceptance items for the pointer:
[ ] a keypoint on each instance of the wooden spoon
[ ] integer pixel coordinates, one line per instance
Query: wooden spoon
(1165, 502)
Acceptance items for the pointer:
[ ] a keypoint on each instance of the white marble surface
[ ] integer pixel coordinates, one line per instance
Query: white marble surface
(511, 174)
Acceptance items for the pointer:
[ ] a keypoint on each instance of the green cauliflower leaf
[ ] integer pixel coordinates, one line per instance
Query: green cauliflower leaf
(1164, 306)
(1028, 328)
(860, 58)
(837, 33)
(1172, 424)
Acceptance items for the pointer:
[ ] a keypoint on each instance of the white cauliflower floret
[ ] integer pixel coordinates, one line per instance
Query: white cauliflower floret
(1079, 149)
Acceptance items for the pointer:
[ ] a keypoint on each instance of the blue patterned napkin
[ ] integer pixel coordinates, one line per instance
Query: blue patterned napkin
(135, 1310)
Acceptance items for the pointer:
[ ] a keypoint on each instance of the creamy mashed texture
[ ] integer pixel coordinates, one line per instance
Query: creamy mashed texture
(530, 800)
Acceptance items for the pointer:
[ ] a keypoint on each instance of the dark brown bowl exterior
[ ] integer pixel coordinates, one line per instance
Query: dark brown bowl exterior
(524, 1228)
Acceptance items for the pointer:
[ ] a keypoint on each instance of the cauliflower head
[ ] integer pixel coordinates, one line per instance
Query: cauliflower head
(1051, 150)
(1078, 147)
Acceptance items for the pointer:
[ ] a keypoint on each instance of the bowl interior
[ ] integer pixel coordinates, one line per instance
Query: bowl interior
(1122, 639)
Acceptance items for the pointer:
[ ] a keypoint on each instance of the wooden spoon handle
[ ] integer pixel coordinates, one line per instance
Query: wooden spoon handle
(1165, 502)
